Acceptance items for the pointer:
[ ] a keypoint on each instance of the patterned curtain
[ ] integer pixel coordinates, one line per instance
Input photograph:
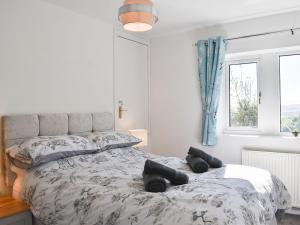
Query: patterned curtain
(211, 65)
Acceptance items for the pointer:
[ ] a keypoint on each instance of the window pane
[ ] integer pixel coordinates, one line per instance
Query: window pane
(243, 95)
(290, 93)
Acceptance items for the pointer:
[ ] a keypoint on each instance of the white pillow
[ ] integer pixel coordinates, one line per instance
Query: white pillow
(42, 149)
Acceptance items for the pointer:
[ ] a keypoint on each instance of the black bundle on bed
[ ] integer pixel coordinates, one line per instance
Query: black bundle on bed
(154, 182)
(155, 174)
(197, 164)
(200, 161)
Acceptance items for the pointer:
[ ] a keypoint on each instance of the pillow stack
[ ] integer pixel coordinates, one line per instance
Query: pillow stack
(43, 149)
(109, 140)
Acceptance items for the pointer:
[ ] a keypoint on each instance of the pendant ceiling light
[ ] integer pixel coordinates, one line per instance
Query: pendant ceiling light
(138, 15)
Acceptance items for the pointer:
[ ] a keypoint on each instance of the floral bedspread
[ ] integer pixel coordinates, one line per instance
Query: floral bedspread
(106, 188)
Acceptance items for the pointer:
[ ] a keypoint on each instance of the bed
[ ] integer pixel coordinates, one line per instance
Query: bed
(107, 188)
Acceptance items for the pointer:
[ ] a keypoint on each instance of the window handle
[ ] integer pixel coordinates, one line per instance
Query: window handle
(259, 97)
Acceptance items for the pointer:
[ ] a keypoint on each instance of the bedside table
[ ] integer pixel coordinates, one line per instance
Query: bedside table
(13, 212)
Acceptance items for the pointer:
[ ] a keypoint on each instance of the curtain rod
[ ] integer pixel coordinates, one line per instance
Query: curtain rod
(262, 34)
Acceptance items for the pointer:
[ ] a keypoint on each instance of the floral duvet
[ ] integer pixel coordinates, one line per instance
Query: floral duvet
(106, 188)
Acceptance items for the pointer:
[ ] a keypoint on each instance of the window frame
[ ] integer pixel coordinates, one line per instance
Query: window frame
(242, 130)
(279, 55)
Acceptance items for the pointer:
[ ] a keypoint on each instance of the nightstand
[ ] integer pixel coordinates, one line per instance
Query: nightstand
(13, 212)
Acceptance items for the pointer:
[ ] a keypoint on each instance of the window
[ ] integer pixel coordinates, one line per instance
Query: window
(243, 95)
(290, 92)
(262, 93)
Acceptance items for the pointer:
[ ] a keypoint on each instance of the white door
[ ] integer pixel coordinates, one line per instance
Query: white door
(131, 84)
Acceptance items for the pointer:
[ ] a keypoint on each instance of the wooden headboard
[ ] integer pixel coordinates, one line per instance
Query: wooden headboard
(3, 189)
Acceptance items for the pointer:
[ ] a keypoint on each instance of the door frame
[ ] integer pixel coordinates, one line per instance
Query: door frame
(121, 34)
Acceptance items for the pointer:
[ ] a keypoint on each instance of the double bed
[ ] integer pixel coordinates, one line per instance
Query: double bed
(106, 187)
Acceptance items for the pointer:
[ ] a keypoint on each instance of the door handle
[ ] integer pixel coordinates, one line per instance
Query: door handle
(121, 110)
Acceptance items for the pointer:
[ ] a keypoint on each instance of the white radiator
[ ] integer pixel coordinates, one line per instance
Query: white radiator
(284, 165)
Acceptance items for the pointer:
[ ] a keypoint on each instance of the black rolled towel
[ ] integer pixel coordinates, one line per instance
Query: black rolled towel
(175, 177)
(154, 183)
(197, 164)
(212, 161)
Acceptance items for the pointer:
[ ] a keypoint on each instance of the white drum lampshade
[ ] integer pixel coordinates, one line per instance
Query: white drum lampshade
(138, 15)
(141, 134)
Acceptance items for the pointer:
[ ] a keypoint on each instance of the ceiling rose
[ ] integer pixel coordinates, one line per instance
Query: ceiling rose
(138, 15)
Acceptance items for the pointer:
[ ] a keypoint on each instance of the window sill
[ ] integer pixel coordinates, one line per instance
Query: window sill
(242, 132)
(259, 135)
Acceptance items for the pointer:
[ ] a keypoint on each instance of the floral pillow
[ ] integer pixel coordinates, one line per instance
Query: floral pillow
(109, 140)
(38, 150)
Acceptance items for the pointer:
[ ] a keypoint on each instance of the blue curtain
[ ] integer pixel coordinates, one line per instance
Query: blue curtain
(211, 65)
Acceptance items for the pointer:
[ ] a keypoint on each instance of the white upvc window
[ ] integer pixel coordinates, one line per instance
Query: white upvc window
(243, 96)
(289, 67)
(262, 92)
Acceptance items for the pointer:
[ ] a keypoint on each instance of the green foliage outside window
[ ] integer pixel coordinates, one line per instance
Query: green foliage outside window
(290, 124)
(243, 95)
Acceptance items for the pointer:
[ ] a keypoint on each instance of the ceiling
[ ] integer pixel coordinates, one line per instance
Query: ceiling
(185, 14)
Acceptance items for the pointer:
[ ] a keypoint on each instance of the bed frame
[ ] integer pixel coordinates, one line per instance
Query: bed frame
(17, 128)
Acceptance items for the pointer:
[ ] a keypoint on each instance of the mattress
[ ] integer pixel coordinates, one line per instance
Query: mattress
(107, 188)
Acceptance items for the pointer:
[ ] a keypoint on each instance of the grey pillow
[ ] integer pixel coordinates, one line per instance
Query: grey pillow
(42, 149)
(109, 140)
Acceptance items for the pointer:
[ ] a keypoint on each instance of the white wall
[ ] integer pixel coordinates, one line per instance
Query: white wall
(53, 59)
(175, 95)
